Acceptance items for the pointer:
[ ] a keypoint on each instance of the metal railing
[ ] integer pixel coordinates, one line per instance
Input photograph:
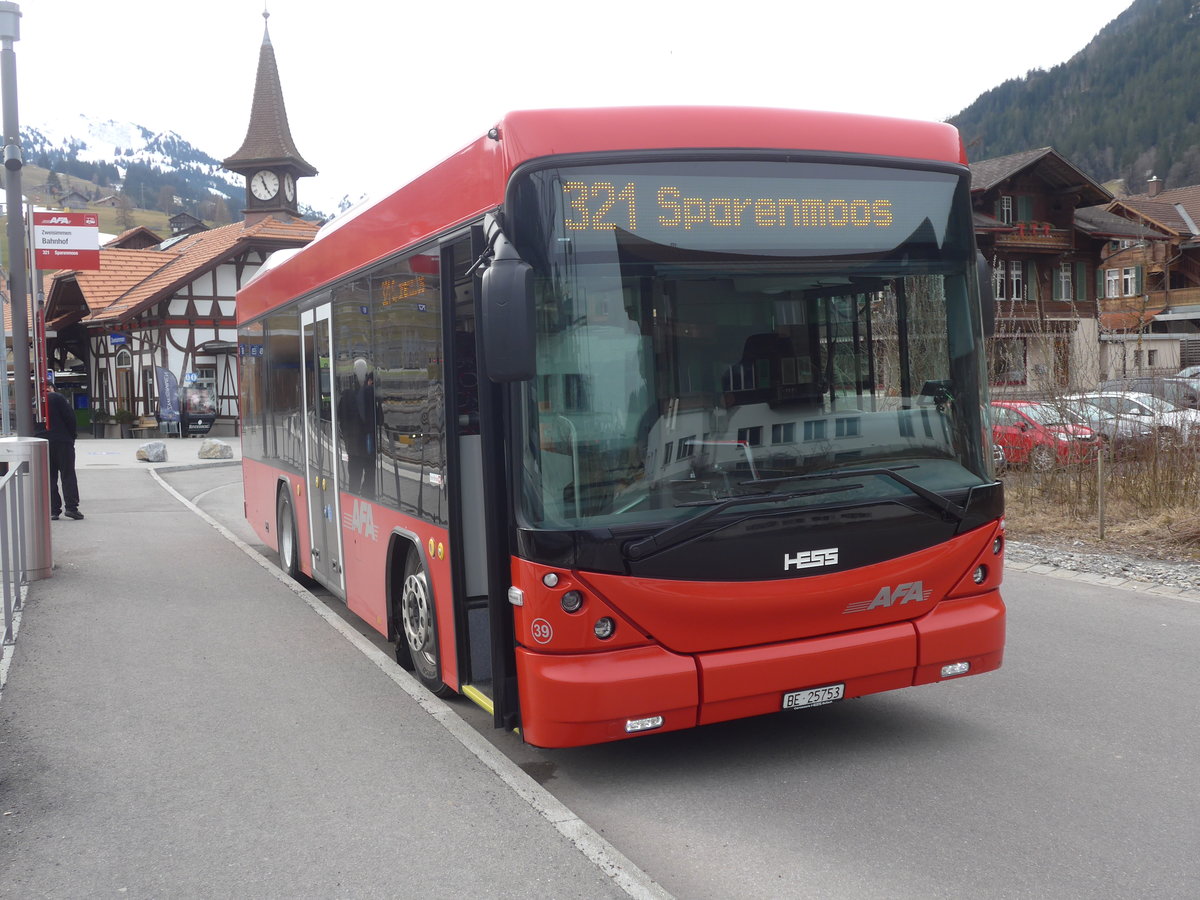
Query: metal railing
(14, 538)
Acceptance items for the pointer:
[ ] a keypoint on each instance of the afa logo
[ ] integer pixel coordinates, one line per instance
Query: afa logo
(361, 518)
(909, 592)
(58, 220)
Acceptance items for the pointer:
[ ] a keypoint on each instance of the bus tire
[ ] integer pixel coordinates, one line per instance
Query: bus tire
(285, 535)
(417, 633)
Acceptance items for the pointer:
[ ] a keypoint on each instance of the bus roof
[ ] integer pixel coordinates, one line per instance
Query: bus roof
(472, 181)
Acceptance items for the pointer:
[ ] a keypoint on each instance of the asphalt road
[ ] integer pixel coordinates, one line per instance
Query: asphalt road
(1071, 772)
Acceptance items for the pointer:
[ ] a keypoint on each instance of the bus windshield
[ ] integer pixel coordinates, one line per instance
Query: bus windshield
(709, 330)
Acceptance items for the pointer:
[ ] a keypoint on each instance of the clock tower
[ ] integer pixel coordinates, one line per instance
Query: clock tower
(268, 157)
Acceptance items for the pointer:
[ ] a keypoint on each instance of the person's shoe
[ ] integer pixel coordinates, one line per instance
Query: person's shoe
(74, 514)
(54, 516)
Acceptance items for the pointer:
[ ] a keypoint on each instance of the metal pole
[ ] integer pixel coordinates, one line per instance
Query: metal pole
(10, 31)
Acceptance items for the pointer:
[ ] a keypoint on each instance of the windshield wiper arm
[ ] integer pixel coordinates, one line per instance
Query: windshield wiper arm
(944, 504)
(675, 534)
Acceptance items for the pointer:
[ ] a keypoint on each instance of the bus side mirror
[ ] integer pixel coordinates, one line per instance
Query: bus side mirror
(987, 295)
(508, 340)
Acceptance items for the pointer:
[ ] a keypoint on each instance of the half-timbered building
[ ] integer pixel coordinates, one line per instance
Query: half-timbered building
(154, 329)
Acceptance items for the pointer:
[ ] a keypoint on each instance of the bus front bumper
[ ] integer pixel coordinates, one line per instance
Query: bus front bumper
(570, 700)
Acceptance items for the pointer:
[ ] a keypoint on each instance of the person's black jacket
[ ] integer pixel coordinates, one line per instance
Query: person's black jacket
(61, 419)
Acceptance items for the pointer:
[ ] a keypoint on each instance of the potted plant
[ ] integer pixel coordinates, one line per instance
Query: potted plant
(125, 419)
(100, 420)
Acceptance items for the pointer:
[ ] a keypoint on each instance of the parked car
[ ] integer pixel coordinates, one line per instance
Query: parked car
(1144, 416)
(1175, 390)
(999, 460)
(1188, 372)
(1040, 435)
(1122, 432)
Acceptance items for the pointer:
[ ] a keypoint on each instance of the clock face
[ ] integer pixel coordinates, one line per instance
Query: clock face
(264, 185)
(289, 188)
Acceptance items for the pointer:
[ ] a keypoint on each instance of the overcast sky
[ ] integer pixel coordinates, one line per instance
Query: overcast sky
(377, 91)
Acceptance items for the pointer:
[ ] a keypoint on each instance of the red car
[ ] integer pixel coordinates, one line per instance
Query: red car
(1041, 435)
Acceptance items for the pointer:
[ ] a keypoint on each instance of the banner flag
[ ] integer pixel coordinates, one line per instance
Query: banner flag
(168, 395)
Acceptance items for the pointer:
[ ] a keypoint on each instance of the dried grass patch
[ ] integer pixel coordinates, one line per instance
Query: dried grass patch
(1150, 508)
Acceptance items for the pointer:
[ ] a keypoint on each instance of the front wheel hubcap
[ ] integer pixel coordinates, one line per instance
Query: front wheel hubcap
(416, 613)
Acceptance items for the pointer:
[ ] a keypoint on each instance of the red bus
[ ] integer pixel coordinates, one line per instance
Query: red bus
(623, 421)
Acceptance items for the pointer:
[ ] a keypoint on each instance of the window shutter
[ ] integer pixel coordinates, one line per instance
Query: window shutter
(1100, 284)
(1137, 280)
(1080, 281)
(1024, 209)
(1031, 285)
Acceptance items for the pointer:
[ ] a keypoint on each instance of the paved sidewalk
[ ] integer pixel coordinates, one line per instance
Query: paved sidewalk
(179, 721)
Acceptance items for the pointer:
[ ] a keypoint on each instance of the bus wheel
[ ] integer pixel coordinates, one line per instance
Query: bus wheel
(285, 533)
(419, 626)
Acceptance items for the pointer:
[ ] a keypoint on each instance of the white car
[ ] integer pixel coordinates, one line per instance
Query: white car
(1134, 415)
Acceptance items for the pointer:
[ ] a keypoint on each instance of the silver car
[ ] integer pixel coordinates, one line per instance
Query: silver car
(1135, 416)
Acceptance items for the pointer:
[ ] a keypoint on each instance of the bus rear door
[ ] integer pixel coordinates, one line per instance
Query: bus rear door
(320, 450)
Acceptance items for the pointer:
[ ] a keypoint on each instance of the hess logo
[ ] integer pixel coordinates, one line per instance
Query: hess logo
(810, 559)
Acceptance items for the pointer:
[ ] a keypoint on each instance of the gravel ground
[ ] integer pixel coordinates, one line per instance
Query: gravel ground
(1153, 572)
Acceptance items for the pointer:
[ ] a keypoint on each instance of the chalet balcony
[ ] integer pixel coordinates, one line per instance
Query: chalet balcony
(1173, 299)
(1036, 236)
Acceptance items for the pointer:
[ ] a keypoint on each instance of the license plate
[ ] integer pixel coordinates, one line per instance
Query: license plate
(818, 696)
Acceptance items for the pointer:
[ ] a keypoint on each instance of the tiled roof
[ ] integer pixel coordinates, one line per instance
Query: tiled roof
(1170, 209)
(135, 238)
(128, 281)
(1098, 222)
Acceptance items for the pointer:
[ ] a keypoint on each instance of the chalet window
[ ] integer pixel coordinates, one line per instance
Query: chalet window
(1004, 210)
(1112, 282)
(1063, 284)
(1130, 281)
(1016, 280)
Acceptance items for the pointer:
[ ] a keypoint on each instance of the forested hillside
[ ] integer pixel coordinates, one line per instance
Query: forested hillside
(1126, 106)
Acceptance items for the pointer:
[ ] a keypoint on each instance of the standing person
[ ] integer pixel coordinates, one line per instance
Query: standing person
(61, 432)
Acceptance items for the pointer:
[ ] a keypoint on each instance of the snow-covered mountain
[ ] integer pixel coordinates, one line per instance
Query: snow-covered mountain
(134, 159)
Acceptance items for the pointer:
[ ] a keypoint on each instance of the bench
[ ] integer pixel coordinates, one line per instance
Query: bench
(145, 425)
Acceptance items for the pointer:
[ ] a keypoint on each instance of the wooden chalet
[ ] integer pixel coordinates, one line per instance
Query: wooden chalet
(1043, 257)
(1152, 287)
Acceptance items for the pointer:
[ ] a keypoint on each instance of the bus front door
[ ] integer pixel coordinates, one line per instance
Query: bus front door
(320, 450)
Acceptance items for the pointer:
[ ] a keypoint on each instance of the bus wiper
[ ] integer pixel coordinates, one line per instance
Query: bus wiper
(676, 534)
(945, 505)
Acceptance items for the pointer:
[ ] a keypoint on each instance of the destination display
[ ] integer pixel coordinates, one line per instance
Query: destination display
(828, 208)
